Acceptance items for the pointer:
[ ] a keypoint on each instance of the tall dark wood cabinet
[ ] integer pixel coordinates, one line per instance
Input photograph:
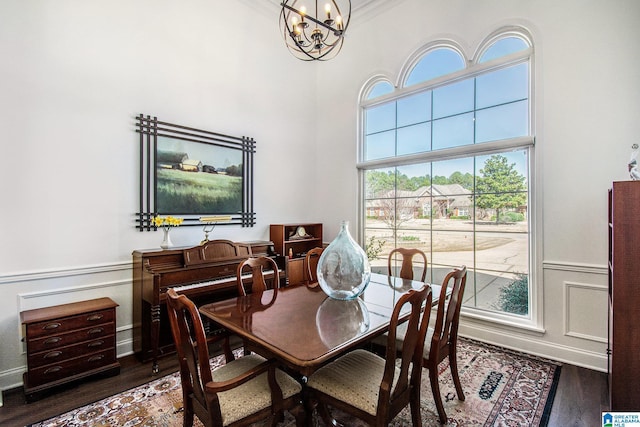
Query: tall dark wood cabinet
(624, 296)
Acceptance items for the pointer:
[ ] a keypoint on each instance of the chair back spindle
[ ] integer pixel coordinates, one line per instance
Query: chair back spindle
(257, 266)
(406, 256)
(311, 259)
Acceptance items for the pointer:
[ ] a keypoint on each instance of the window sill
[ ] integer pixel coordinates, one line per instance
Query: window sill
(503, 321)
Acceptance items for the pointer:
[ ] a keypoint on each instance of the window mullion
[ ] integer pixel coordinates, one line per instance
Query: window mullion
(502, 145)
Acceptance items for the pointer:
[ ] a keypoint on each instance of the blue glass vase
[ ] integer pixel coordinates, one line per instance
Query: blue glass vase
(343, 268)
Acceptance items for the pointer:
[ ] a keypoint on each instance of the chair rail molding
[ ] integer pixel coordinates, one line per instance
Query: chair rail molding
(64, 272)
(575, 267)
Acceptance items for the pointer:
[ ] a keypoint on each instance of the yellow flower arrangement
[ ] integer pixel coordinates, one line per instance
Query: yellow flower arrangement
(166, 222)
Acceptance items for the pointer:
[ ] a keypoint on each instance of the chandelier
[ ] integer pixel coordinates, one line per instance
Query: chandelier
(315, 35)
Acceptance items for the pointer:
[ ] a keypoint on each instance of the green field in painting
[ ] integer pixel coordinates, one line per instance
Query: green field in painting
(181, 192)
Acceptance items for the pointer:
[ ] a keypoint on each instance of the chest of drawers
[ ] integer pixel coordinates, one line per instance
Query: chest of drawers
(68, 342)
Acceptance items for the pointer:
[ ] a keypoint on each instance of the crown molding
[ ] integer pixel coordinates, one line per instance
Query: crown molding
(356, 5)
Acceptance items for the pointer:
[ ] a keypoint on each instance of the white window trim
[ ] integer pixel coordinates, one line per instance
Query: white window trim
(533, 323)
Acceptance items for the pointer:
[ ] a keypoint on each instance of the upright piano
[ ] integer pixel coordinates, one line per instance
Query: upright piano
(205, 273)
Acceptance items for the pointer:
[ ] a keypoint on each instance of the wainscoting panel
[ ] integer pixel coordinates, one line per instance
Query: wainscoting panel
(585, 314)
(574, 320)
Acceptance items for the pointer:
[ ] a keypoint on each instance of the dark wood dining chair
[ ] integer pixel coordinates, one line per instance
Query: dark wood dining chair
(257, 266)
(407, 256)
(311, 260)
(369, 386)
(257, 283)
(238, 393)
(442, 341)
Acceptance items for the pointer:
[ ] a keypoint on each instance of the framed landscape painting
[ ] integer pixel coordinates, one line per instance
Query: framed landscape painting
(193, 173)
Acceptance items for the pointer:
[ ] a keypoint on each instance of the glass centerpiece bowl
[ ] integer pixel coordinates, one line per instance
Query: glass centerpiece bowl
(343, 268)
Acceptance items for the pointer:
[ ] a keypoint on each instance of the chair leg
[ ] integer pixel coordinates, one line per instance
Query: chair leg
(309, 404)
(453, 364)
(435, 389)
(300, 415)
(324, 413)
(187, 417)
(416, 416)
(187, 412)
(277, 418)
(228, 354)
(328, 419)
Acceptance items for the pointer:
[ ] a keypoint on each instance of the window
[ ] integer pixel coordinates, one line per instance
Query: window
(379, 89)
(446, 160)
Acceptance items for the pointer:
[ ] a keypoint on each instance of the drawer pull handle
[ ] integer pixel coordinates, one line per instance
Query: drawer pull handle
(52, 340)
(50, 326)
(52, 354)
(53, 369)
(94, 317)
(95, 343)
(95, 331)
(96, 358)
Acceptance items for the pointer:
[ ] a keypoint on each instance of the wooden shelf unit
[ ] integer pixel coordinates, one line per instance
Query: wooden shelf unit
(294, 250)
(68, 342)
(624, 296)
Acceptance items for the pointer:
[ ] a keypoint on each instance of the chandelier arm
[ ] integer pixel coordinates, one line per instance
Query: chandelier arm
(312, 19)
(335, 43)
(296, 51)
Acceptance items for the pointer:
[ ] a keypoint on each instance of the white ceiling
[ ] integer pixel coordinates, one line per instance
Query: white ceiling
(362, 4)
(356, 5)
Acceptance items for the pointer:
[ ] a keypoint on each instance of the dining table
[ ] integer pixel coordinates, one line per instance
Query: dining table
(303, 328)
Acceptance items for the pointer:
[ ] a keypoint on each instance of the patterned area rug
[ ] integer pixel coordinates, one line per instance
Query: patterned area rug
(502, 388)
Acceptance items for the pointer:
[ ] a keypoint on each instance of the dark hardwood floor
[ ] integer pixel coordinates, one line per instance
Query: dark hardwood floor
(581, 395)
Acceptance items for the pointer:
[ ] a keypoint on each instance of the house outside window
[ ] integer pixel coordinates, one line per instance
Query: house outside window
(445, 159)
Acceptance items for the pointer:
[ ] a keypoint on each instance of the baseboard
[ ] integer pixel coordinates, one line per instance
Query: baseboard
(537, 347)
(11, 378)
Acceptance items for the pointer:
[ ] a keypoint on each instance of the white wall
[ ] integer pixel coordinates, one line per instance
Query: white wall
(74, 75)
(586, 119)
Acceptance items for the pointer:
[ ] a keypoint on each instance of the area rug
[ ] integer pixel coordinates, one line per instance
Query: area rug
(502, 388)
